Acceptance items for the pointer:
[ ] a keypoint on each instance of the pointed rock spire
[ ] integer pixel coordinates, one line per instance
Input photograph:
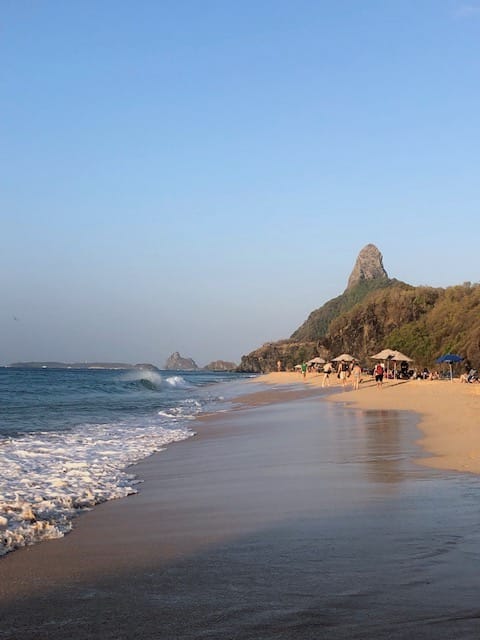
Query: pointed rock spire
(369, 266)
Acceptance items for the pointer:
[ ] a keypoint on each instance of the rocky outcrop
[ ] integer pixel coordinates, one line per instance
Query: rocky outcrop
(368, 275)
(176, 363)
(221, 365)
(313, 337)
(286, 352)
(369, 266)
(376, 312)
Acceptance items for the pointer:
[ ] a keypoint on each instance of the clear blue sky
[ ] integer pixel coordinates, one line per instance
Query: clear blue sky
(199, 176)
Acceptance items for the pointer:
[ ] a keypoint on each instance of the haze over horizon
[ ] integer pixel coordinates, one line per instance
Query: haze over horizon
(199, 177)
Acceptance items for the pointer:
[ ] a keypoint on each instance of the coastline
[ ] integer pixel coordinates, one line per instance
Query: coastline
(91, 535)
(286, 517)
(448, 413)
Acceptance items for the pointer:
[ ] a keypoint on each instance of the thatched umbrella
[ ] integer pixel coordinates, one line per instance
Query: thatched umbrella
(386, 354)
(344, 357)
(394, 356)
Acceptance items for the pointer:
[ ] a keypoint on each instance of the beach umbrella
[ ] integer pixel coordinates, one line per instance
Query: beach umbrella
(391, 354)
(449, 358)
(344, 357)
(316, 360)
(401, 357)
(386, 354)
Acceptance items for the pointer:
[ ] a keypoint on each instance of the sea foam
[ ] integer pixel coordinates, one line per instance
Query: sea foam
(46, 478)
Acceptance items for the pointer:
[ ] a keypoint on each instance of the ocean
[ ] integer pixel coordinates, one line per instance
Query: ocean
(68, 438)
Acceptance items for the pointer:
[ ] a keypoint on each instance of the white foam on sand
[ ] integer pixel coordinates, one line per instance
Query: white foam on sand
(47, 478)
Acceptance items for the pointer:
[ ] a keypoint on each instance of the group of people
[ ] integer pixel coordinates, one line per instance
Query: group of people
(344, 371)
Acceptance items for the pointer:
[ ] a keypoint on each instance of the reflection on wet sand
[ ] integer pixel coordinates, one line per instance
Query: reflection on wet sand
(389, 446)
(297, 521)
(382, 443)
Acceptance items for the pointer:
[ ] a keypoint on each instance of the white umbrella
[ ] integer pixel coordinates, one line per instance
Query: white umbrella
(344, 357)
(316, 360)
(401, 357)
(390, 354)
(386, 354)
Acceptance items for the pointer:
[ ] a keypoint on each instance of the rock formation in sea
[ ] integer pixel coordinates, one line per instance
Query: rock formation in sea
(221, 365)
(176, 363)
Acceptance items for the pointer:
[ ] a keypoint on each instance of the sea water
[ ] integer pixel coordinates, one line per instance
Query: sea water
(68, 438)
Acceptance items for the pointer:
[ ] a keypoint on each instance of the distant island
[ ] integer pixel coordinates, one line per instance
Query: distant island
(81, 365)
(221, 365)
(176, 362)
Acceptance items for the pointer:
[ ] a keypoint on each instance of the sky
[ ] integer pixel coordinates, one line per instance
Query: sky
(199, 175)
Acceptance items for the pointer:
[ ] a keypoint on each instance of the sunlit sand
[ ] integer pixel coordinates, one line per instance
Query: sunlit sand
(448, 412)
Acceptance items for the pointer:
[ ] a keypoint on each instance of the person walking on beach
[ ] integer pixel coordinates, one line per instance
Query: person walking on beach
(327, 370)
(279, 365)
(379, 375)
(342, 372)
(356, 373)
(304, 369)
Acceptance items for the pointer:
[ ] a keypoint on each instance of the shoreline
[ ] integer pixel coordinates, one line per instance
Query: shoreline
(284, 512)
(447, 413)
(206, 427)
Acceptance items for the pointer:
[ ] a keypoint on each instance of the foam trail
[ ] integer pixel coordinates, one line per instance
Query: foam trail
(68, 438)
(46, 478)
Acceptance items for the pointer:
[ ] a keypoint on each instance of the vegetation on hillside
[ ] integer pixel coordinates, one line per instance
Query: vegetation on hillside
(451, 325)
(374, 323)
(422, 322)
(318, 322)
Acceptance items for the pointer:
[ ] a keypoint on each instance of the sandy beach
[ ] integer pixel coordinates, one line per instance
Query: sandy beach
(448, 412)
(298, 514)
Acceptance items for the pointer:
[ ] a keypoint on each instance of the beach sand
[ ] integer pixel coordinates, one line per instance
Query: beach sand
(448, 413)
(288, 517)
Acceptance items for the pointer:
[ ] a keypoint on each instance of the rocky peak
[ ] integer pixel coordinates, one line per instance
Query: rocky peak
(369, 266)
(176, 363)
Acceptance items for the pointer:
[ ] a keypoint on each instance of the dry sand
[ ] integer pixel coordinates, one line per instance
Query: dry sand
(449, 413)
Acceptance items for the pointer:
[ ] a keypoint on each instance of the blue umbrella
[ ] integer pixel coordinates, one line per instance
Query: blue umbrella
(450, 357)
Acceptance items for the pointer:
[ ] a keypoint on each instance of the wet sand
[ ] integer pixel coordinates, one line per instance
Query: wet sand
(290, 517)
(448, 412)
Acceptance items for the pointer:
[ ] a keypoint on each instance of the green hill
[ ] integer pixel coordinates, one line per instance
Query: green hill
(318, 322)
(378, 312)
